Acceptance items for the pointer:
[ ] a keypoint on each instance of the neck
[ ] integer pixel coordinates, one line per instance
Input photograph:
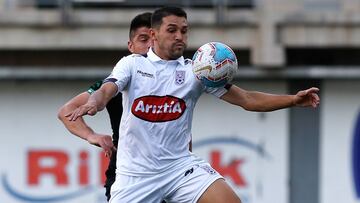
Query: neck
(160, 53)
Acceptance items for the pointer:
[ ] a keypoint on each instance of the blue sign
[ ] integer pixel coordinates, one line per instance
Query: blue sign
(356, 156)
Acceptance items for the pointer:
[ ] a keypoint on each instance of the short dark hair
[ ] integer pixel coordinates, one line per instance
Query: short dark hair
(159, 14)
(141, 20)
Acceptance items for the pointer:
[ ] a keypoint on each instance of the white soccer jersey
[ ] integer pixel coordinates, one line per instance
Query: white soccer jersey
(159, 97)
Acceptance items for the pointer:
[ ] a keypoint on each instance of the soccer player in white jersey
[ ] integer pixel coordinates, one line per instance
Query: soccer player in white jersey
(159, 96)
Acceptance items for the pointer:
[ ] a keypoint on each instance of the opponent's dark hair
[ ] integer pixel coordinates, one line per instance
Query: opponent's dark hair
(141, 20)
(159, 14)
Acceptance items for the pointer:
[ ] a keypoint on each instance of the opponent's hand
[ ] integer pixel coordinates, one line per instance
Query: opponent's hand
(86, 109)
(103, 141)
(307, 97)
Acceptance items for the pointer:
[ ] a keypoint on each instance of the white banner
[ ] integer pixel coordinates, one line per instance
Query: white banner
(42, 162)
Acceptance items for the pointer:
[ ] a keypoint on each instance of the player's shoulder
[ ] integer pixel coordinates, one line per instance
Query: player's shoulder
(138, 55)
(187, 61)
(130, 59)
(187, 64)
(134, 57)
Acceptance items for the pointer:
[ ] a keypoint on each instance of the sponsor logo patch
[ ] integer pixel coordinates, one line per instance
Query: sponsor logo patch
(208, 169)
(188, 172)
(158, 108)
(145, 74)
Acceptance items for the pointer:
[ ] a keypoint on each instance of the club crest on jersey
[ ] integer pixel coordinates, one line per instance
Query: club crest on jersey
(158, 108)
(180, 77)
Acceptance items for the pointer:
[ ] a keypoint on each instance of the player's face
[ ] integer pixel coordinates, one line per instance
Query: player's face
(170, 39)
(140, 42)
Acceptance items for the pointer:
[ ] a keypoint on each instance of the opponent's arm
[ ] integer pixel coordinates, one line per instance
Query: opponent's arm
(263, 102)
(80, 128)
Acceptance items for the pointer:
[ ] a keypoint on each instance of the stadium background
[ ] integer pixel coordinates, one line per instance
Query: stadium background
(51, 50)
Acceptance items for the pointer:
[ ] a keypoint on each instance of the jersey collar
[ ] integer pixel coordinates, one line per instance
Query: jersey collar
(155, 58)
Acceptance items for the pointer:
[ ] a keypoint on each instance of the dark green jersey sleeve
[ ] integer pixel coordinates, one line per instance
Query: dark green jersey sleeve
(94, 87)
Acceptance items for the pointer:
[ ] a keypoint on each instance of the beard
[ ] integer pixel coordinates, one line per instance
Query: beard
(177, 51)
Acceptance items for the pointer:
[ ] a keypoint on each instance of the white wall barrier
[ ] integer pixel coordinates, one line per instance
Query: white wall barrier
(42, 162)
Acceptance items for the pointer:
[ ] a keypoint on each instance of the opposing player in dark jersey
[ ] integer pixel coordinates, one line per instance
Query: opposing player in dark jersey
(139, 42)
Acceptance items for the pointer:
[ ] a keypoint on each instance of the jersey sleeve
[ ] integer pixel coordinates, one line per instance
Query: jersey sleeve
(217, 91)
(121, 74)
(94, 87)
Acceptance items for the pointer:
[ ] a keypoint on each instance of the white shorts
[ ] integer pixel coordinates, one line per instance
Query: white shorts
(182, 185)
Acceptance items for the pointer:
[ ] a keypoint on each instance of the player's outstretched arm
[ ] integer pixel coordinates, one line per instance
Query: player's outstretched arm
(80, 128)
(262, 102)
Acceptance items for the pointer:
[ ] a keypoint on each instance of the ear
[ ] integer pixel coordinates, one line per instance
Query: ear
(130, 46)
(153, 33)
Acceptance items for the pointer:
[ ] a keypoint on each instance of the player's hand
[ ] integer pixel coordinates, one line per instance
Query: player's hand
(86, 109)
(307, 97)
(103, 141)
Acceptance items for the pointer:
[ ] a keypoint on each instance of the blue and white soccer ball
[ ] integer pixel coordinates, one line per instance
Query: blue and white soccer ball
(214, 64)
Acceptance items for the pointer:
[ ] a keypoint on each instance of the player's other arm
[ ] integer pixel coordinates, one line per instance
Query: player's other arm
(263, 102)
